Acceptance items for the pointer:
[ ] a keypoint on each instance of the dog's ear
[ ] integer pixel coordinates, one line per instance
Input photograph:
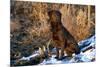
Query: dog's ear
(58, 13)
(49, 13)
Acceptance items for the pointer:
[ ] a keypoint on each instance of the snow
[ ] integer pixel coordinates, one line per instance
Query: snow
(28, 58)
(52, 60)
(84, 44)
(87, 54)
(36, 53)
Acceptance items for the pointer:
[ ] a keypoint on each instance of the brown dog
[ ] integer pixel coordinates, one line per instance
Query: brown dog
(62, 38)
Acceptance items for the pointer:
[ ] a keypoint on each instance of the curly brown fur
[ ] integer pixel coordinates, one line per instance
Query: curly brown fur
(62, 38)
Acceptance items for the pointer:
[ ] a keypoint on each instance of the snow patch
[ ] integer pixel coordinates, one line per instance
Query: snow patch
(86, 56)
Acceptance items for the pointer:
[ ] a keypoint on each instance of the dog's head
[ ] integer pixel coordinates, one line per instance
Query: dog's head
(54, 16)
